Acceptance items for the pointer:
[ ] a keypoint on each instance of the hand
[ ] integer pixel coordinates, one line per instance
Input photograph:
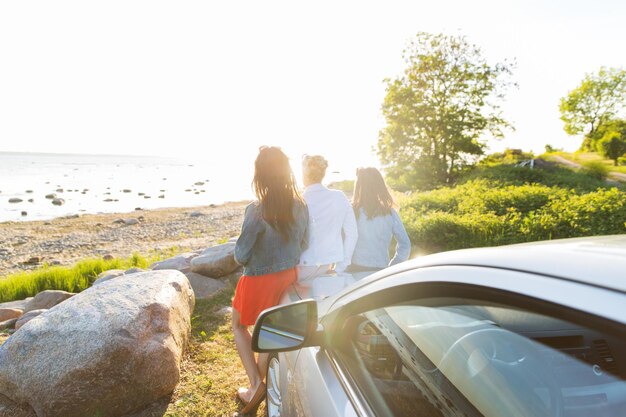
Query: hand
(341, 267)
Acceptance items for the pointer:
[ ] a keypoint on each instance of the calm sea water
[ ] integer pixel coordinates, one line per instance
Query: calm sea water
(105, 184)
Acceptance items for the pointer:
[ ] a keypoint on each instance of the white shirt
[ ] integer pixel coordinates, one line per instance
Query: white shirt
(330, 214)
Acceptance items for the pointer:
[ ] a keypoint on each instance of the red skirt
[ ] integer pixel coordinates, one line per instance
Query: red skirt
(256, 293)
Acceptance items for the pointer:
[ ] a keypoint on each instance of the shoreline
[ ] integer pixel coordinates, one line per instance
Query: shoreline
(28, 244)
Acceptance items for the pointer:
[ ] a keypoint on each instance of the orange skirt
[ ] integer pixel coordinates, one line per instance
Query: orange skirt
(256, 293)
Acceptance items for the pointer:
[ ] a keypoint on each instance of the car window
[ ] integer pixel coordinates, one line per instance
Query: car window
(468, 359)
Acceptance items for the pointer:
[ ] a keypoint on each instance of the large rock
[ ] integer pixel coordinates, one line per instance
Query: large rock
(47, 299)
(204, 287)
(111, 350)
(28, 317)
(181, 262)
(10, 313)
(108, 275)
(19, 304)
(8, 324)
(9, 409)
(215, 262)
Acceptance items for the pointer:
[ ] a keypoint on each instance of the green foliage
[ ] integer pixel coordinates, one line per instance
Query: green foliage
(549, 175)
(597, 100)
(596, 169)
(509, 156)
(499, 206)
(347, 186)
(439, 110)
(551, 149)
(612, 142)
(73, 279)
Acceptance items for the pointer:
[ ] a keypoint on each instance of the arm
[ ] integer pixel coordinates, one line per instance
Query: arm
(350, 234)
(304, 244)
(249, 232)
(403, 244)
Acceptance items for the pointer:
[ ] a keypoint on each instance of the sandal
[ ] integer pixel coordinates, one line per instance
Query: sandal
(256, 399)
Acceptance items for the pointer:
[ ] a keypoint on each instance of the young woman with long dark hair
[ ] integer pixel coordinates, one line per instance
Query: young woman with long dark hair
(377, 223)
(273, 235)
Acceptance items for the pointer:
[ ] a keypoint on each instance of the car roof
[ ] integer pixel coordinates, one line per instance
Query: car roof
(598, 261)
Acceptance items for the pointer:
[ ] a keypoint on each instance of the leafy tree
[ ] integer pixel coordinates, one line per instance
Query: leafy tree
(598, 99)
(439, 110)
(612, 144)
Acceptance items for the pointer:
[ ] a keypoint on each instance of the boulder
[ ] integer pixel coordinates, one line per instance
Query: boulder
(134, 270)
(181, 262)
(9, 409)
(114, 349)
(233, 277)
(196, 214)
(130, 222)
(215, 262)
(28, 317)
(58, 201)
(107, 275)
(10, 313)
(51, 196)
(47, 299)
(15, 200)
(19, 304)
(8, 324)
(204, 287)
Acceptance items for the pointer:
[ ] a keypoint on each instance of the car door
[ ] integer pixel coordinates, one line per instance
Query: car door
(471, 341)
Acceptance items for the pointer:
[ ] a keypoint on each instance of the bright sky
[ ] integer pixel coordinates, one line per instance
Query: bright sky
(215, 80)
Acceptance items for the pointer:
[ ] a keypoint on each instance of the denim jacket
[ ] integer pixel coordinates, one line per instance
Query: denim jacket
(261, 249)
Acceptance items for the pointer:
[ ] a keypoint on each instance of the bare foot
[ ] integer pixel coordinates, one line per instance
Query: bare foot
(246, 394)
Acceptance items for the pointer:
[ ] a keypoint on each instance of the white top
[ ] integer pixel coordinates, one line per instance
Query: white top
(330, 214)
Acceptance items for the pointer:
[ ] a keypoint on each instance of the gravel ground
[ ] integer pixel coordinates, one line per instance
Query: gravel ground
(26, 245)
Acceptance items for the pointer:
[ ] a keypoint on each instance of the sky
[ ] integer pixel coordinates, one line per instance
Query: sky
(215, 80)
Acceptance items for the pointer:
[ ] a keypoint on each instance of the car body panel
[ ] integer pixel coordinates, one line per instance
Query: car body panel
(585, 274)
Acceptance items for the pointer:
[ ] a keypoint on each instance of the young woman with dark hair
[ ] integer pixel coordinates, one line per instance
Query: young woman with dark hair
(377, 224)
(273, 235)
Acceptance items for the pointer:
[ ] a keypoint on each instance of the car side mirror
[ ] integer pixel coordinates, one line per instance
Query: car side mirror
(286, 327)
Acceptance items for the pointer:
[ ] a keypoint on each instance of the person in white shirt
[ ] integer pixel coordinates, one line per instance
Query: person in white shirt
(332, 224)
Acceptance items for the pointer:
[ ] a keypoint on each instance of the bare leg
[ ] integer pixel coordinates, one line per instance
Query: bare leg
(262, 364)
(243, 341)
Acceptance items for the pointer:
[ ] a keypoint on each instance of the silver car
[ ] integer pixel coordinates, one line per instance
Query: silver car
(524, 330)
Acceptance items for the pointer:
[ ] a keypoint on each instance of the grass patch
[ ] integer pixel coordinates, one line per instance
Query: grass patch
(73, 279)
(585, 157)
(212, 370)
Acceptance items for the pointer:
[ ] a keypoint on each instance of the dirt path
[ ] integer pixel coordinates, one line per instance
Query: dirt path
(618, 176)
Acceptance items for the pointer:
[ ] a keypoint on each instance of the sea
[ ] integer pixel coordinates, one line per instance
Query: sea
(110, 183)
(120, 183)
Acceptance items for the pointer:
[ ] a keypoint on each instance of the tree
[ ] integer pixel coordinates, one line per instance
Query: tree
(599, 98)
(439, 110)
(612, 143)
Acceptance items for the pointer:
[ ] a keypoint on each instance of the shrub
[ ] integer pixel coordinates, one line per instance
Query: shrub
(501, 175)
(479, 213)
(596, 169)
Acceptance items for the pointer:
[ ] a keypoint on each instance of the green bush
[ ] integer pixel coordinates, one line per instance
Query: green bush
(481, 213)
(550, 175)
(596, 169)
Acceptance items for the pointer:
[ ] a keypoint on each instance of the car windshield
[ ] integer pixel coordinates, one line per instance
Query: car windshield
(470, 360)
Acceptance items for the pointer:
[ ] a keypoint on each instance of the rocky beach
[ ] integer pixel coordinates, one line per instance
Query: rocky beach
(26, 245)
